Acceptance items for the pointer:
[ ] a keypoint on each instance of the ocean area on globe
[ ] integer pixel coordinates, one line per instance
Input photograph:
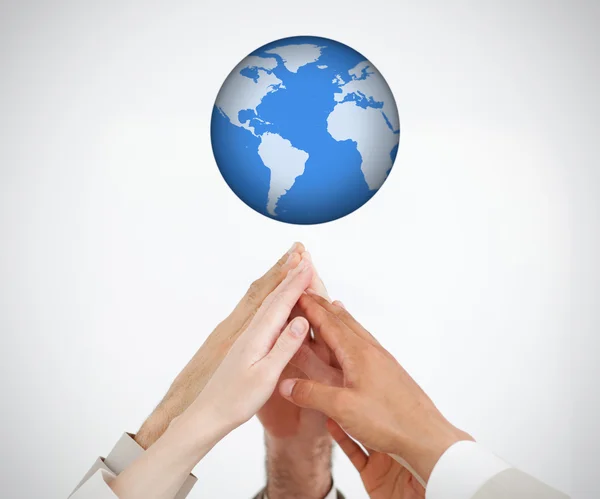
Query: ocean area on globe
(305, 130)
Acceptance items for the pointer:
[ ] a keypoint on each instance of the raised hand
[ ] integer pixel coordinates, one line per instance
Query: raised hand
(250, 371)
(382, 476)
(378, 403)
(192, 379)
(298, 457)
(283, 419)
(242, 383)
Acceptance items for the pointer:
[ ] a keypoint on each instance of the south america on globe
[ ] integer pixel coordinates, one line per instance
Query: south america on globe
(305, 130)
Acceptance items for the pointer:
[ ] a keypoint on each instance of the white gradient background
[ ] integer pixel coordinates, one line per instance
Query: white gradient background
(122, 246)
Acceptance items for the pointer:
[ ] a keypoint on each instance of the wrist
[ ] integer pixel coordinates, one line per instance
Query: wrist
(202, 428)
(185, 388)
(298, 467)
(423, 449)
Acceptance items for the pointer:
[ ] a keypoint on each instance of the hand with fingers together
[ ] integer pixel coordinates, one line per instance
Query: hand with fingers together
(239, 387)
(341, 383)
(193, 378)
(371, 396)
(382, 476)
(298, 445)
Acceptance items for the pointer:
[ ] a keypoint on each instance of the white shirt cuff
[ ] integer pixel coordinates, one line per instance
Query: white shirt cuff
(96, 487)
(462, 470)
(125, 452)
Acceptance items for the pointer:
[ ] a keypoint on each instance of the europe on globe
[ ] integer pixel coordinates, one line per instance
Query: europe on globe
(305, 130)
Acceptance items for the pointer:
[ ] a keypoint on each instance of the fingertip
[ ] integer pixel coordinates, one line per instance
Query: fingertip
(305, 266)
(303, 300)
(308, 300)
(299, 327)
(286, 387)
(313, 297)
(338, 303)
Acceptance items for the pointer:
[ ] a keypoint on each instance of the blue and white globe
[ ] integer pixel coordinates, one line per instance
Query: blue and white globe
(305, 130)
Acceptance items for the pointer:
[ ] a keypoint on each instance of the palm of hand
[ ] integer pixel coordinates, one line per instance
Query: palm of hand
(384, 478)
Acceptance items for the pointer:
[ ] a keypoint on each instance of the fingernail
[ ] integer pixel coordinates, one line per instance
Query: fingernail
(297, 327)
(286, 387)
(291, 250)
(339, 304)
(311, 291)
(307, 255)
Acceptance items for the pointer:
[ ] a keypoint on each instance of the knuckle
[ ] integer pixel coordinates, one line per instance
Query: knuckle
(253, 293)
(342, 405)
(278, 300)
(302, 391)
(335, 378)
(333, 320)
(283, 344)
(344, 315)
(268, 301)
(327, 321)
(281, 262)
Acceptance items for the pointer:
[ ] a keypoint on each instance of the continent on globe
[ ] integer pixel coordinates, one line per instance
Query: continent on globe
(248, 89)
(296, 56)
(367, 81)
(305, 130)
(285, 162)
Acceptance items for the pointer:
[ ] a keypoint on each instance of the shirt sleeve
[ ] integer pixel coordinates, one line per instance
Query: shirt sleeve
(94, 484)
(468, 471)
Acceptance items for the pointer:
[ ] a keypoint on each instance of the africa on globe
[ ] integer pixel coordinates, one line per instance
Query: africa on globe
(305, 130)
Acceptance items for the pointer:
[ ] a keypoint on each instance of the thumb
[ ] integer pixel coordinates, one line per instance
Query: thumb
(312, 395)
(287, 344)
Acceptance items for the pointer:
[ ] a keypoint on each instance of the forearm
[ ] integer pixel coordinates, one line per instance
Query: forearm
(184, 389)
(298, 468)
(160, 472)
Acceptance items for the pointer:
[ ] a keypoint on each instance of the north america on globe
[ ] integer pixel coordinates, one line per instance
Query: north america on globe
(305, 130)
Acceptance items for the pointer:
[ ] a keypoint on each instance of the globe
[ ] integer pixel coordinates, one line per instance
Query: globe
(305, 130)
